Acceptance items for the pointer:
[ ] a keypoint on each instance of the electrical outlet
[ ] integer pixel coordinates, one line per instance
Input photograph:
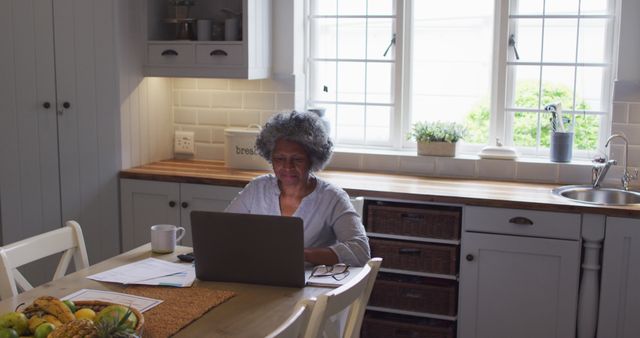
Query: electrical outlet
(184, 143)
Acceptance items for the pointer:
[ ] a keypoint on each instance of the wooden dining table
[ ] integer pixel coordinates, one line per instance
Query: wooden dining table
(254, 311)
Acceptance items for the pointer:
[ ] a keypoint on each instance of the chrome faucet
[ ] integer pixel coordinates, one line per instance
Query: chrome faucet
(626, 176)
(599, 170)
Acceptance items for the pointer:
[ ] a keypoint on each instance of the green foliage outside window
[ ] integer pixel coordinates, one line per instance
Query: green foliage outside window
(525, 125)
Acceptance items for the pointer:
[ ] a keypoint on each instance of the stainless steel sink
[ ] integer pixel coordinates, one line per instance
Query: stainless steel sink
(601, 196)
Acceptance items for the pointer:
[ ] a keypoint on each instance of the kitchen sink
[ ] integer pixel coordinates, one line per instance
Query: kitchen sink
(602, 196)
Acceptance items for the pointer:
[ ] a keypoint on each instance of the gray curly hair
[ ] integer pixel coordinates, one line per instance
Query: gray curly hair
(305, 128)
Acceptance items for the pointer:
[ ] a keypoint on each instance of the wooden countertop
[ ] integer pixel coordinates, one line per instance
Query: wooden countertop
(389, 186)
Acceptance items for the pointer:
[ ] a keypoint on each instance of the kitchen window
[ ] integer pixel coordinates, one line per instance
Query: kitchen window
(378, 66)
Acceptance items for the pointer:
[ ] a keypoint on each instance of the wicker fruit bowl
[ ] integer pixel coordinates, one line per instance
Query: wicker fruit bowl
(98, 305)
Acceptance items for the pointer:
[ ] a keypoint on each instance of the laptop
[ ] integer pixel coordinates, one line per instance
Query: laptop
(246, 248)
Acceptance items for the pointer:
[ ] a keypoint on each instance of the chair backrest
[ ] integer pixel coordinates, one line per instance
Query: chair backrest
(68, 240)
(296, 324)
(353, 295)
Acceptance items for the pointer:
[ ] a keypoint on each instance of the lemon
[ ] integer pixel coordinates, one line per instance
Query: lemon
(85, 313)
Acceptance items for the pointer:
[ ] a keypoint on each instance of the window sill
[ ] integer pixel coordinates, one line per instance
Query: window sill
(524, 169)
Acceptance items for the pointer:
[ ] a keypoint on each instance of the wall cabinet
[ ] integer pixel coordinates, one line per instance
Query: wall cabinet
(619, 314)
(172, 48)
(145, 203)
(519, 273)
(59, 121)
(416, 292)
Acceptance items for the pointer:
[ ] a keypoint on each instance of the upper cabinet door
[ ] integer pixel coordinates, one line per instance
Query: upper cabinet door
(29, 186)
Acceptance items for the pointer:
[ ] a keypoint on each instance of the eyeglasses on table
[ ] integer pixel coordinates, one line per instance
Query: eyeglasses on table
(337, 271)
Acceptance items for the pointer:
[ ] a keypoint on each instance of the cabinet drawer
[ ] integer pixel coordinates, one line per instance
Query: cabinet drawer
(522, 222)
(168, 54)
(427, 221)
(388, 325)
(224, 55)
(412, 293)
(433, 258)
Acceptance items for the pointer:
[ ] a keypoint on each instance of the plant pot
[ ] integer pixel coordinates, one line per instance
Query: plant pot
(437, 149)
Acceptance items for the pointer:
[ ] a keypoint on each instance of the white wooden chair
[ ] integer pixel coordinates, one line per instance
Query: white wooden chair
(68, 240)
(296, 324)
(353, 295)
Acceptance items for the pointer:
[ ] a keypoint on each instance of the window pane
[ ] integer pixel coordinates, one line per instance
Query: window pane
(378, 124)
(324, 42)
(323, 86)
(352, 7)
(592, 41)
(525, 128)
(526, 84)
(526, 7)
(558, 7)
(589, 91)
(451, 58)
(323, 7)
(352, 38)
(330, 115)
(379, 37)
(594, 6)
(381, 7)
(351, 81)
(528, 38)
(557, 86)
(560, 37)
(379, 82)
(587, 131)
(350, 124)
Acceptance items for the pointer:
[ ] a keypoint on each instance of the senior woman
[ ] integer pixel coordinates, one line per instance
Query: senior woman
(297, 145)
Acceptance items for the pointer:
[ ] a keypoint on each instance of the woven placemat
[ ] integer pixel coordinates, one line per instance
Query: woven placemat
(180, 307)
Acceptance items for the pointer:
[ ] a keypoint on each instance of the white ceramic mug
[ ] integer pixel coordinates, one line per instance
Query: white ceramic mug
(164, 237)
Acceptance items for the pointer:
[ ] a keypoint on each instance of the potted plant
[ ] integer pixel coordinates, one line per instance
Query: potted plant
(437, 138)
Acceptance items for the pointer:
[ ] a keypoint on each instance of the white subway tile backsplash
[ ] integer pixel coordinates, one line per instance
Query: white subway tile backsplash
(193, 98)
(213, 117)
(380, 162)
(242, 118)
(244, 85)
(259, 100)
(620, 112)
(634, 113)
(201, 134)
(345, 161)
(420, 165)
(574, 174)
(264, 116)
(214, 84)
(185, 116)
(454, 167)
(285, 101)
(184, 83)
(536, 172)
(497, 169)
(218, 134)
(209, 151)
(226, 100)
(278, 85)
(634, 156)
(616, 152)
(632, 131)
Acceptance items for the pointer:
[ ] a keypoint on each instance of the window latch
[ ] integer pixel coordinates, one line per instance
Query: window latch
(393, 41)
(512, 43)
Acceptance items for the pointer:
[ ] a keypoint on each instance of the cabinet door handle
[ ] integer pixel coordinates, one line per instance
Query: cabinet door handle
(521, 221)
(172, 204)
(470, 257)
(66, 105)
(218, 52)
(170, 52)
(409, 251)
(185, 205)
(46, 105)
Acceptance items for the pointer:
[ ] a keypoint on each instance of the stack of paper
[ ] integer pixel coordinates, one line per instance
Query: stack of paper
(150, 271)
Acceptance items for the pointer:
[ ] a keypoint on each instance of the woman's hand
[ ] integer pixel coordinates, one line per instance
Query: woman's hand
(317, 256)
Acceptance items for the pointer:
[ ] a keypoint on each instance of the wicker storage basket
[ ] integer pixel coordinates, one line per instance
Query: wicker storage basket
(97, 305)
(387, 325)
(413, 293)
(424, 257)
(432, 221)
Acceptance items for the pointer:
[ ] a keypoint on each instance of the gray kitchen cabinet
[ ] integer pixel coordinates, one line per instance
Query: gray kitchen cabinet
(145, 203)
(172, 49)
(519, 273)
(59, 121)
(619, 315)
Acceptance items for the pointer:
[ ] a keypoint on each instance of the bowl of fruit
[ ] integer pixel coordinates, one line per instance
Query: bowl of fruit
(49, 317)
